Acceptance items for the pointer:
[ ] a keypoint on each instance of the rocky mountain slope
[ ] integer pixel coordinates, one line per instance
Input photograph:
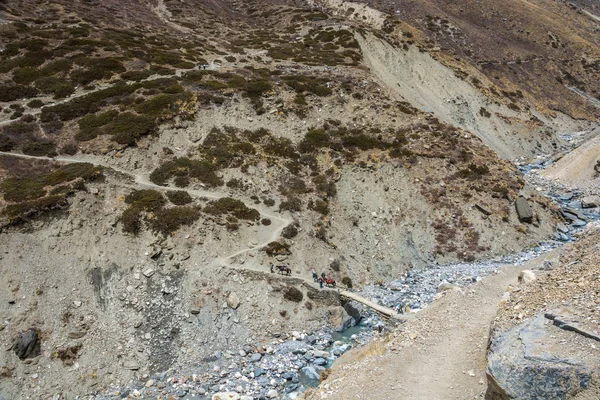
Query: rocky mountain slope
(157, 156)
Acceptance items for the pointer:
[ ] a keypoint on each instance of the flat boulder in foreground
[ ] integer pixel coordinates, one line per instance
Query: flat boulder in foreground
(542, 359)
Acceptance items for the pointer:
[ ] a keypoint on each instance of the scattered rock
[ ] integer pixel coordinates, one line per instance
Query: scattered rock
(524, 210)
(233, 301)
(271, 394)
(562, 228)
(27, 344)
(226, 396)
(77, 334)
(148, 272)
(195, 309)
(311, 373)
(255, 357)
(132, 365)
(590, 202)
(445, 285)
(483, 209)
(526, 276)
(578, 214)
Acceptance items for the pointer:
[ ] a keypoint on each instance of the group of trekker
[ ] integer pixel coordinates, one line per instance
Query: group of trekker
(321, 279)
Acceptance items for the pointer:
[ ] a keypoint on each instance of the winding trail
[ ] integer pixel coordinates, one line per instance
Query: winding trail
(142, 180)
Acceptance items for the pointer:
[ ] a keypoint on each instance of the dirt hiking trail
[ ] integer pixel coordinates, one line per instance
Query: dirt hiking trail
(439, 354)
(142, 181)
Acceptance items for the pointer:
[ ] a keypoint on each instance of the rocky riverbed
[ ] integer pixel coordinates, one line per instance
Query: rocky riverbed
(282, 368)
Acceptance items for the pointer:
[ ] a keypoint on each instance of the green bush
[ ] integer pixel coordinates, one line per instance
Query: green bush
(70, 149)
(161, 105)
(147, 200)
(136, 75)
(321, 207)
(84, 105)
(293, 294)
(6, 143)
(29, 188)
(127, 127)
(25, 75)
(16, 92)
(314, 139)
(25, 209)
(39, 147)
(289, 232)
(277, 248)
(303, 83)
(167, 221)
(60, 88)
(90, 124)
(347, 281)
(35, 103)
(255, 89)
(474, 172)
(179, 197)
(233, 207)
(265, 221)
(131, 220)
(291, 204)
(54, 67)
(182, 169)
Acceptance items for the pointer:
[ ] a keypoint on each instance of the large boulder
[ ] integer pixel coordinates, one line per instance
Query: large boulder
(524, 210)
(27, 344)
(590, 202)
(539, 359)
(340, 320)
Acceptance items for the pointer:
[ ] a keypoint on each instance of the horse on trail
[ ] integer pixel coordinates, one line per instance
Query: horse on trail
(282, 269)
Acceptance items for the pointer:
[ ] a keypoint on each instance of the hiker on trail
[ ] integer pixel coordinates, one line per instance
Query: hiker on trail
(321, 283)
(314, 274)
(271, 264)
(204, 67)
(323, 275)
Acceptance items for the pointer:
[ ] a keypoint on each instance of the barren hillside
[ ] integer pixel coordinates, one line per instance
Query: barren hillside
(157, 156)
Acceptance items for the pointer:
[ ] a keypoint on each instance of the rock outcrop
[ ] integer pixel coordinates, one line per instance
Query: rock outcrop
(539, 359)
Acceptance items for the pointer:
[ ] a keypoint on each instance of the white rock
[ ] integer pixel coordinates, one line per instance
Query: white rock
(233, 300)
(271, 394)
(226, 396)
(526, 276)
(148, 272)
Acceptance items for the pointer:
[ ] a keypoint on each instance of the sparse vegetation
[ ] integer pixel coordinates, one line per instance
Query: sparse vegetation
(182, 169)
(167, 221)
(293, 294)
(233, 207)
(179, 197)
